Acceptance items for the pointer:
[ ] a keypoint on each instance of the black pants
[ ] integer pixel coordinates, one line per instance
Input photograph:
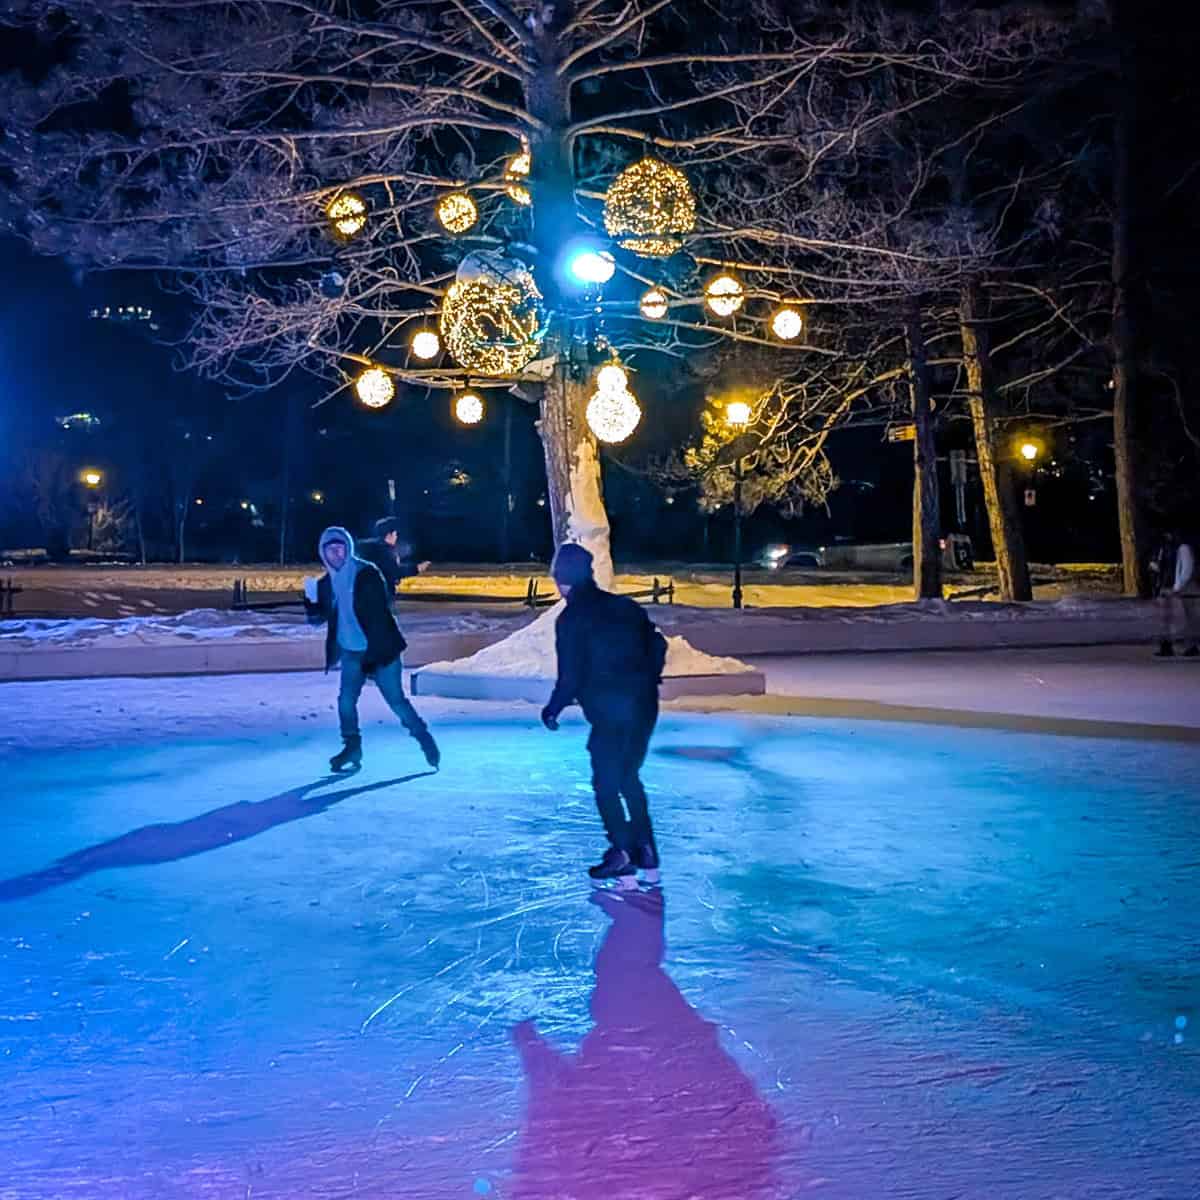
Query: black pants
(618, 745)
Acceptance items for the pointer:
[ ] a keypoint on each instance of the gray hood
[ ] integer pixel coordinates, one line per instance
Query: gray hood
(335, 533)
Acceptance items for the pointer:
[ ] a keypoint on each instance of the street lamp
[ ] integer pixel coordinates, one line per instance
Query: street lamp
(92, 478)
(737, 417)
(1029, 451)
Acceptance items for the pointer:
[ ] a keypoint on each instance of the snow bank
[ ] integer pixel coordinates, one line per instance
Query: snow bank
(530, 654)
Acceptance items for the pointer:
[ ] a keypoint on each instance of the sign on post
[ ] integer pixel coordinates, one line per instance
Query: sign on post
(1030, 497)
(902, 433)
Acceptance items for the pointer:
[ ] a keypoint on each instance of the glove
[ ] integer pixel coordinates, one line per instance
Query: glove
(310, 589)
(549, 719)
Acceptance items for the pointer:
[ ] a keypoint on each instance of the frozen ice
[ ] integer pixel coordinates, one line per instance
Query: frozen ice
(889, 961)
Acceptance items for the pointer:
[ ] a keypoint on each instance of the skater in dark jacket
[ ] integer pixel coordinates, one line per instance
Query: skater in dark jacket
(610, 662)
(393, 558)
(361, 633)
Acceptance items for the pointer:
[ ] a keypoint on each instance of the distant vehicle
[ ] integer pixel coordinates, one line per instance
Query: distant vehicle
(957, 555)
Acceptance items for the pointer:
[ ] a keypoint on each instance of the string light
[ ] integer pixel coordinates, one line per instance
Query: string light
(653, 304)
(426, 344)
(613, 412)
(468, 408)
(457, 212)
(491, 327)
(347, 213)
(724, 295)
(515, 173)
(649, 207)
(787, 324)
(374, 387)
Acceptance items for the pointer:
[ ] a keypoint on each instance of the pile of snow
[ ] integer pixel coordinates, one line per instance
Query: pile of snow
(530, 654)
(212, 625)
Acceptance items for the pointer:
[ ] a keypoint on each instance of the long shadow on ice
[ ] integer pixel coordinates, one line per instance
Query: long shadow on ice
(650, 1105)
(153, 844)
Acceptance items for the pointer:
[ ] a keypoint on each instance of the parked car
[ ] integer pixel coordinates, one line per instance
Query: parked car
(775, 558)
(957, 555)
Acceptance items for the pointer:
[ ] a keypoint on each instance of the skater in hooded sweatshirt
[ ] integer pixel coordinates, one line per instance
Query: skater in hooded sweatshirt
(361, 633)
(610, 662)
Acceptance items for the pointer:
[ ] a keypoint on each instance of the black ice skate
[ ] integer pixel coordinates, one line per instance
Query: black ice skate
(433, 756)
(616, 867)
(1165, 649)
(349, 757)
(645, 858)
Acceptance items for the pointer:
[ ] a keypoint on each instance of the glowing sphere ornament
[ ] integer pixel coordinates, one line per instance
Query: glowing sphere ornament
(374, 387)
(612, 378)
(653, 304)
(724, 295)
(515, 174)
(426, 344)
(787, 324)
(457, 212)
(347, 214)
(491, 319)
(613, 416)
(649, 208)
(468, 408)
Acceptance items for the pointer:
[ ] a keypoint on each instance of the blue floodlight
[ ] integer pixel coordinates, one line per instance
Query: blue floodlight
(587, 265)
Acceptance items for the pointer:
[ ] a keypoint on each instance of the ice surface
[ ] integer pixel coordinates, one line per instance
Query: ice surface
(900, 961)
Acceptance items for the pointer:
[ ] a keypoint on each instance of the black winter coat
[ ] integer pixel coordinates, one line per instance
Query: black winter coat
(387, 559)
(610, 657)
(385, 642)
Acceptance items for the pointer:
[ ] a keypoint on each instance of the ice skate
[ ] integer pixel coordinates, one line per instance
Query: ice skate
(645, 858)
(615, 867)
(433, 756)
(349, 757)
(1165, 649)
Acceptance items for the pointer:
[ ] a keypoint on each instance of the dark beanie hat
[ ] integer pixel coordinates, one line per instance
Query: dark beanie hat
(572, 565)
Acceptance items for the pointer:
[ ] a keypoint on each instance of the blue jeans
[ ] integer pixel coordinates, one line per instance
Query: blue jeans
(389, 680)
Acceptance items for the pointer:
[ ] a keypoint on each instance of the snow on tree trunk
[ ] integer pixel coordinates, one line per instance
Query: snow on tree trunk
(573, 471)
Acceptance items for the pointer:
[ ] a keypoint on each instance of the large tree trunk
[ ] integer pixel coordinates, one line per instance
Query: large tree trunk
(573, 469)
(995, 469)
(1134, 559)
(927, 554)
(572, 461)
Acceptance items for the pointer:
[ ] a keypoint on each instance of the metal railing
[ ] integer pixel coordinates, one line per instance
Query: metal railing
(8, 593)
(658, 593)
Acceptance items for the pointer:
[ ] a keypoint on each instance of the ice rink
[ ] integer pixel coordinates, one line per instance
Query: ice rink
(888, 960)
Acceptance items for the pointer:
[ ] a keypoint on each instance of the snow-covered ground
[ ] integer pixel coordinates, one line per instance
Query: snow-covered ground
(901, 961)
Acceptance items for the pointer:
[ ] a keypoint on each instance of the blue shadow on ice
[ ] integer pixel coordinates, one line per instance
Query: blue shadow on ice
(153, 844)
(650, 1097)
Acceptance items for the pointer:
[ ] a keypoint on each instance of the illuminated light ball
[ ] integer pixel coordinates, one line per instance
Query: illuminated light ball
(374, 387)
(787, 324)
(347, 213)
(491, 319)
(1029, 451)
(653, 304)
(468, 408)
(426, 344)
(612, 378)
(649, 208)
(457, 212)
(613, 415)
(518, 169)
(725, 295)
(737, 412)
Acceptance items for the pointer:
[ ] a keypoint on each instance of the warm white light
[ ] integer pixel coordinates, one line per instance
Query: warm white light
(725, 295)
(1029, 451)
(612, 378)
(613, 415)
(426, 344)
(468, 408)
(92, 478)
(347, 214)
(374, 388)
(653, 304)
(737, 412)
(787, 324)
(457, 212)
(518, 169)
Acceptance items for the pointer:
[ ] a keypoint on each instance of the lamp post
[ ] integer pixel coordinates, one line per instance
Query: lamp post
(737, 417)
(92, 479)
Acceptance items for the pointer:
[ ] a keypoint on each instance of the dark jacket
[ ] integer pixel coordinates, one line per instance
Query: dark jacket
(387, 559)
(385, 642)
(610, 657)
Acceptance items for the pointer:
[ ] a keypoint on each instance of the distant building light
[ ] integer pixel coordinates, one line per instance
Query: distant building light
(79, 420)
(199, 500)
(317, 497)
